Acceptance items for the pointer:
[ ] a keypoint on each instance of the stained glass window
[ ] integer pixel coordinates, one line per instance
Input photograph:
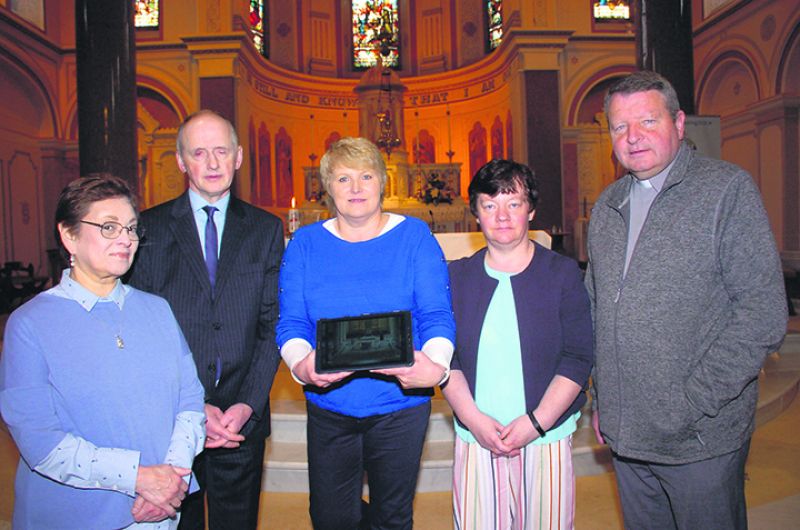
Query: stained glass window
(146, 14)
(258, 27)
(494, 10)
(375, 33)
(612, 10)
(30, 10)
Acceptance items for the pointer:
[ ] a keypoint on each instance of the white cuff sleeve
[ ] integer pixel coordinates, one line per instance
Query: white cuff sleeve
(188, 436)
(294, 351)
(79, 463)
(440, 350)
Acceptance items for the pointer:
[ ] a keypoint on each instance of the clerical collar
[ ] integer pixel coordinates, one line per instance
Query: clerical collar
(69, 288)
(656, 182)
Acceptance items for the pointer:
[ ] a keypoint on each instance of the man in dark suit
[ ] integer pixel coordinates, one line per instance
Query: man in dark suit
(215, 259)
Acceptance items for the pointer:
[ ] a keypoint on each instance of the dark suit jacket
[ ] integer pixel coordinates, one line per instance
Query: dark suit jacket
(237, 323)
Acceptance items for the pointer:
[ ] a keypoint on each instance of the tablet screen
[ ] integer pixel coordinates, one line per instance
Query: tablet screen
(366, 342)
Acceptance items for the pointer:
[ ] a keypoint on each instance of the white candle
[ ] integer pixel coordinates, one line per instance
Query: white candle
(419, 147)
(293, 218)
(311, 135)
(449, 133)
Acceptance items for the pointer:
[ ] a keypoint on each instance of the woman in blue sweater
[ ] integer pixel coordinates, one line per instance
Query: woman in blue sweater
(364, 261)
(523, 356)
(97, 384)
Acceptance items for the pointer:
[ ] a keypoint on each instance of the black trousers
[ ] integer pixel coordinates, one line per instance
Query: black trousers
(341, 448)
(708, 494)
(231, 479)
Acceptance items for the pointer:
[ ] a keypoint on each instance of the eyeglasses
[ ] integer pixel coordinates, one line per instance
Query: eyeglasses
(112, 230)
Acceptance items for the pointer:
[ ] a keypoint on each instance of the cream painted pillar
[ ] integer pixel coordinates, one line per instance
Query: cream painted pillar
(777, 134)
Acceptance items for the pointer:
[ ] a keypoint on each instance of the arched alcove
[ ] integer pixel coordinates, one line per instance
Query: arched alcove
(593, 101)
(28, 118)
(788, 81)
(158, 107)
(157, 124)
(26, 108)
(588, 97)
(728, 86)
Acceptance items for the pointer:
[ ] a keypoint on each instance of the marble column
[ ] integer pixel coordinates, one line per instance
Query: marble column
(106, 72)
(219, 94)
(544, 145)
(664, 44)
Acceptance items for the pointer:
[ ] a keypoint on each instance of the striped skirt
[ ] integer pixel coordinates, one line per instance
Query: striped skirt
(532, 491)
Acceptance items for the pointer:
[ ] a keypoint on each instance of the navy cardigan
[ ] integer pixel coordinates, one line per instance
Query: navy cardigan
(554, 317)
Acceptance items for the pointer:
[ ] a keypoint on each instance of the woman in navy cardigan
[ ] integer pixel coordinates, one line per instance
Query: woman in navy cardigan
(523, 357)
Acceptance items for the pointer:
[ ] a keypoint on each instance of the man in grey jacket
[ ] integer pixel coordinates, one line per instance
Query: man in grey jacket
(687, 296)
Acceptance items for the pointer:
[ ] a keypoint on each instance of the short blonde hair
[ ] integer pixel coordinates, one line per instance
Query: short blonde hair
(356, 153)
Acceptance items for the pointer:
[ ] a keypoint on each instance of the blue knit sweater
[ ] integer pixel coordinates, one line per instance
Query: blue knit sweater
(324, 276)
(62, 373)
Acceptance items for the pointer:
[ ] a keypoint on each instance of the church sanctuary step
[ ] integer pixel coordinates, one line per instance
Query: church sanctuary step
(286, 465)
(779, 381)
(286, 462)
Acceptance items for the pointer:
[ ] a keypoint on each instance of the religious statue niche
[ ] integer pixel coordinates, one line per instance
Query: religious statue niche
(146, 14)
(509, 137)
(264, 167)
(477, 148)
(497, 138)
(376, 33)
(424, 148)
(380, 109)
(331, 139)
(283, 168)
(494, 18)
(258, 28)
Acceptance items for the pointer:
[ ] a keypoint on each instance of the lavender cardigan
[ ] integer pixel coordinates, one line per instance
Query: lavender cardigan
(555, 325)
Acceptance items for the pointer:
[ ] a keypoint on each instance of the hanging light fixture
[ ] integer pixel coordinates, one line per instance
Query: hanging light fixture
(386, 140)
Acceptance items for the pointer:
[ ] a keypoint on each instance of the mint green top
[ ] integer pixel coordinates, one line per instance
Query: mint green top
(499, 387)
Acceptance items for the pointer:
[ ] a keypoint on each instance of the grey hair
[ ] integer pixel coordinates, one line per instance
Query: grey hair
(199, 114)
(642, 81)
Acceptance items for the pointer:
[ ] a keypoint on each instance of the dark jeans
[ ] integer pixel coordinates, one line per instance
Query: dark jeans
(231, 479)
(708, 494)
(340, 448)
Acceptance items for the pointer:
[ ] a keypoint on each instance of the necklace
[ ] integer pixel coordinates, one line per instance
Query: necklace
(118, 334)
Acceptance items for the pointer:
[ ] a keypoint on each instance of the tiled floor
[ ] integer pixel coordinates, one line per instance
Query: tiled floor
(773, 486)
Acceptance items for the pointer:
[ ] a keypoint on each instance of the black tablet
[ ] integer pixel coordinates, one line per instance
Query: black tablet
(366, 342)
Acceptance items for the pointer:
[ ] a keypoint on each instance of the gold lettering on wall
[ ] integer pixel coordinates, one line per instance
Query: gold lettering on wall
(349, 101)
(337, 101)
(296, 97)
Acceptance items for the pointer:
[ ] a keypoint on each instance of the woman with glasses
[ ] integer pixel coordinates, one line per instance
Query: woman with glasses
(97, 384)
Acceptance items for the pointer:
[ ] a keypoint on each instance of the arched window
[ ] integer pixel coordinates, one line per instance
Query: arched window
(376, 33)
(494, 17)
(258, 27)
(30, 10)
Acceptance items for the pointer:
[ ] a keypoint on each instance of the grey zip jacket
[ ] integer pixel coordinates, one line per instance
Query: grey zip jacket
(681, 338)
